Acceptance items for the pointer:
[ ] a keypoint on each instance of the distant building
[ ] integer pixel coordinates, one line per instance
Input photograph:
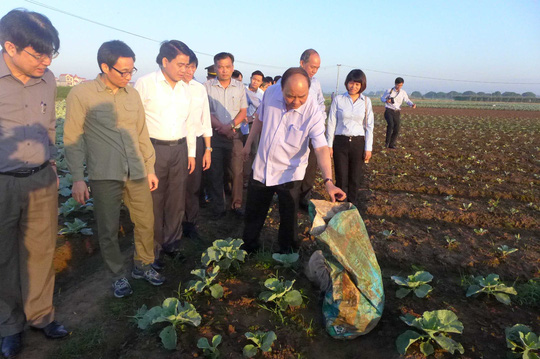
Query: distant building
(69, 80)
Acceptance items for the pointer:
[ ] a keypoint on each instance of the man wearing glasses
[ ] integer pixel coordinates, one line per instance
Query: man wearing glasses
(106, 129)
(28, 181)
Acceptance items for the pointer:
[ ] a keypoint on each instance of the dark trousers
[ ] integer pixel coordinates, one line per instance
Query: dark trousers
(28, 227)
(393, 120)
(309, 177)
(349, 164)
(226, 156)
(259, 197)
(193, 189)
(169, 198)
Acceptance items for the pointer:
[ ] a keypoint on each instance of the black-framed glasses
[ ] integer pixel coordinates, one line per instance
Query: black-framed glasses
(41, 57)
(125, 73)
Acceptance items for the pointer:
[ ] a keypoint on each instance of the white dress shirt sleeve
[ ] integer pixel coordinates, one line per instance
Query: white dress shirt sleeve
(316, 133)
(332, 122)
(406, 99)
(191, 138)
(385, 95)
(206, 122)
(370, 124)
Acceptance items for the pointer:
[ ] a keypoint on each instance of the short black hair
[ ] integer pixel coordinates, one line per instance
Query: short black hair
(294, 71)
(257, 72)
(399, 80)
(193, 59)
(357, 75)
(170, 49)
(110, 51)
(267, 79)
(223, 55)
(276, 78)
(307, 54)
(26, 28)
(236, 74)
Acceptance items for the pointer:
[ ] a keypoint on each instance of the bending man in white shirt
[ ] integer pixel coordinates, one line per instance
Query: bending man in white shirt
(287, 120)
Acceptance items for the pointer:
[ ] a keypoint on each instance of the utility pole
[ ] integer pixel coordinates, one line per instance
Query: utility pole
(337, 79)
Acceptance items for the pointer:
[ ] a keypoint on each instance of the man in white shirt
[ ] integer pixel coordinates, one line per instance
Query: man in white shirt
(167, 104)
(254, 97)
(228, 108)
(392, 99)
(287, 120)
(311, 62)
(203, 154)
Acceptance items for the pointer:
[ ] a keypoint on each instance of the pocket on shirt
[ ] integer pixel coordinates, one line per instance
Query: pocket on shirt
(294, 137)
(131, 113)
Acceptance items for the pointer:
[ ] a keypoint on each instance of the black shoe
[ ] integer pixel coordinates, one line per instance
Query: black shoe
(392, 147)
(54, 330)
(218, 215)
(239, 212)
(11, 345)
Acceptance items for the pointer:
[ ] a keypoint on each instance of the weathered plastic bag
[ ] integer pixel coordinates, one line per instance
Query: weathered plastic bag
(354, 301)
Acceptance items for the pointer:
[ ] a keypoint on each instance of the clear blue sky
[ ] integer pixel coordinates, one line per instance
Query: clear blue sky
(490, 41)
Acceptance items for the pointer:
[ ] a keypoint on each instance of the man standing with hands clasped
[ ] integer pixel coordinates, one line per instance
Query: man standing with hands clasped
(287, 120)
(106, 128)
(28, 181)
(392, 100)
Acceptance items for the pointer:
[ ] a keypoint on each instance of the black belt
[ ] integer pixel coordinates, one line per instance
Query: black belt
(25, 172)
(349, 137)
(168, 143)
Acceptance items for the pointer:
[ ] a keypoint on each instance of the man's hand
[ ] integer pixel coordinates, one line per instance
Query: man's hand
(335, 192)
(206, 160)
(152, 181)
(191, 164)
(414, 106)
(367, 156)
(246, 152)
(79, 191)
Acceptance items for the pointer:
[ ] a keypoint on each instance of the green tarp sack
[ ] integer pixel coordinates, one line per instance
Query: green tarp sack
(354, 300)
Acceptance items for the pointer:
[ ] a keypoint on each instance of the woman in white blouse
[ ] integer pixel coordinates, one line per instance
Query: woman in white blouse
(350, 134)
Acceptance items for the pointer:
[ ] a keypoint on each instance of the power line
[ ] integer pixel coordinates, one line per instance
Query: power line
(272, 66)
(134, 34)
(452, 80)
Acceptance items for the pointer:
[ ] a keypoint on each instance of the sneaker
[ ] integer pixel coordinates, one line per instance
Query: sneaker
(151, 275)
(158, 265)
(122, 288)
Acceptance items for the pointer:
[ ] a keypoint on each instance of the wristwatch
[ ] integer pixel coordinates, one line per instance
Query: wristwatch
(209, 149)
(328, 180)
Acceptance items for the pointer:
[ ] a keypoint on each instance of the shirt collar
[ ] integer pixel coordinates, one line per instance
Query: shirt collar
(5, 71)
(102, 87)
(349, 96)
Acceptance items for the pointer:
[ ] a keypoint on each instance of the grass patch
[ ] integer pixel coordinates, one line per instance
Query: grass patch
(528, 293)
(83, 343)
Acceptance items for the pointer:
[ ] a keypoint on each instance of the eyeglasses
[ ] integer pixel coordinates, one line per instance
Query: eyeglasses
(41, 57)
(125, 73)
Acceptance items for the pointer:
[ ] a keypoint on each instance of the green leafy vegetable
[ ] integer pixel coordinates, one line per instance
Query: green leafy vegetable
(523, 342)
(210, 350)
(262, 341)
(491, 285)
(435, 326)
(206, 279)
(281, 293)
(416, 282)
(286, 260)
(224, 252)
